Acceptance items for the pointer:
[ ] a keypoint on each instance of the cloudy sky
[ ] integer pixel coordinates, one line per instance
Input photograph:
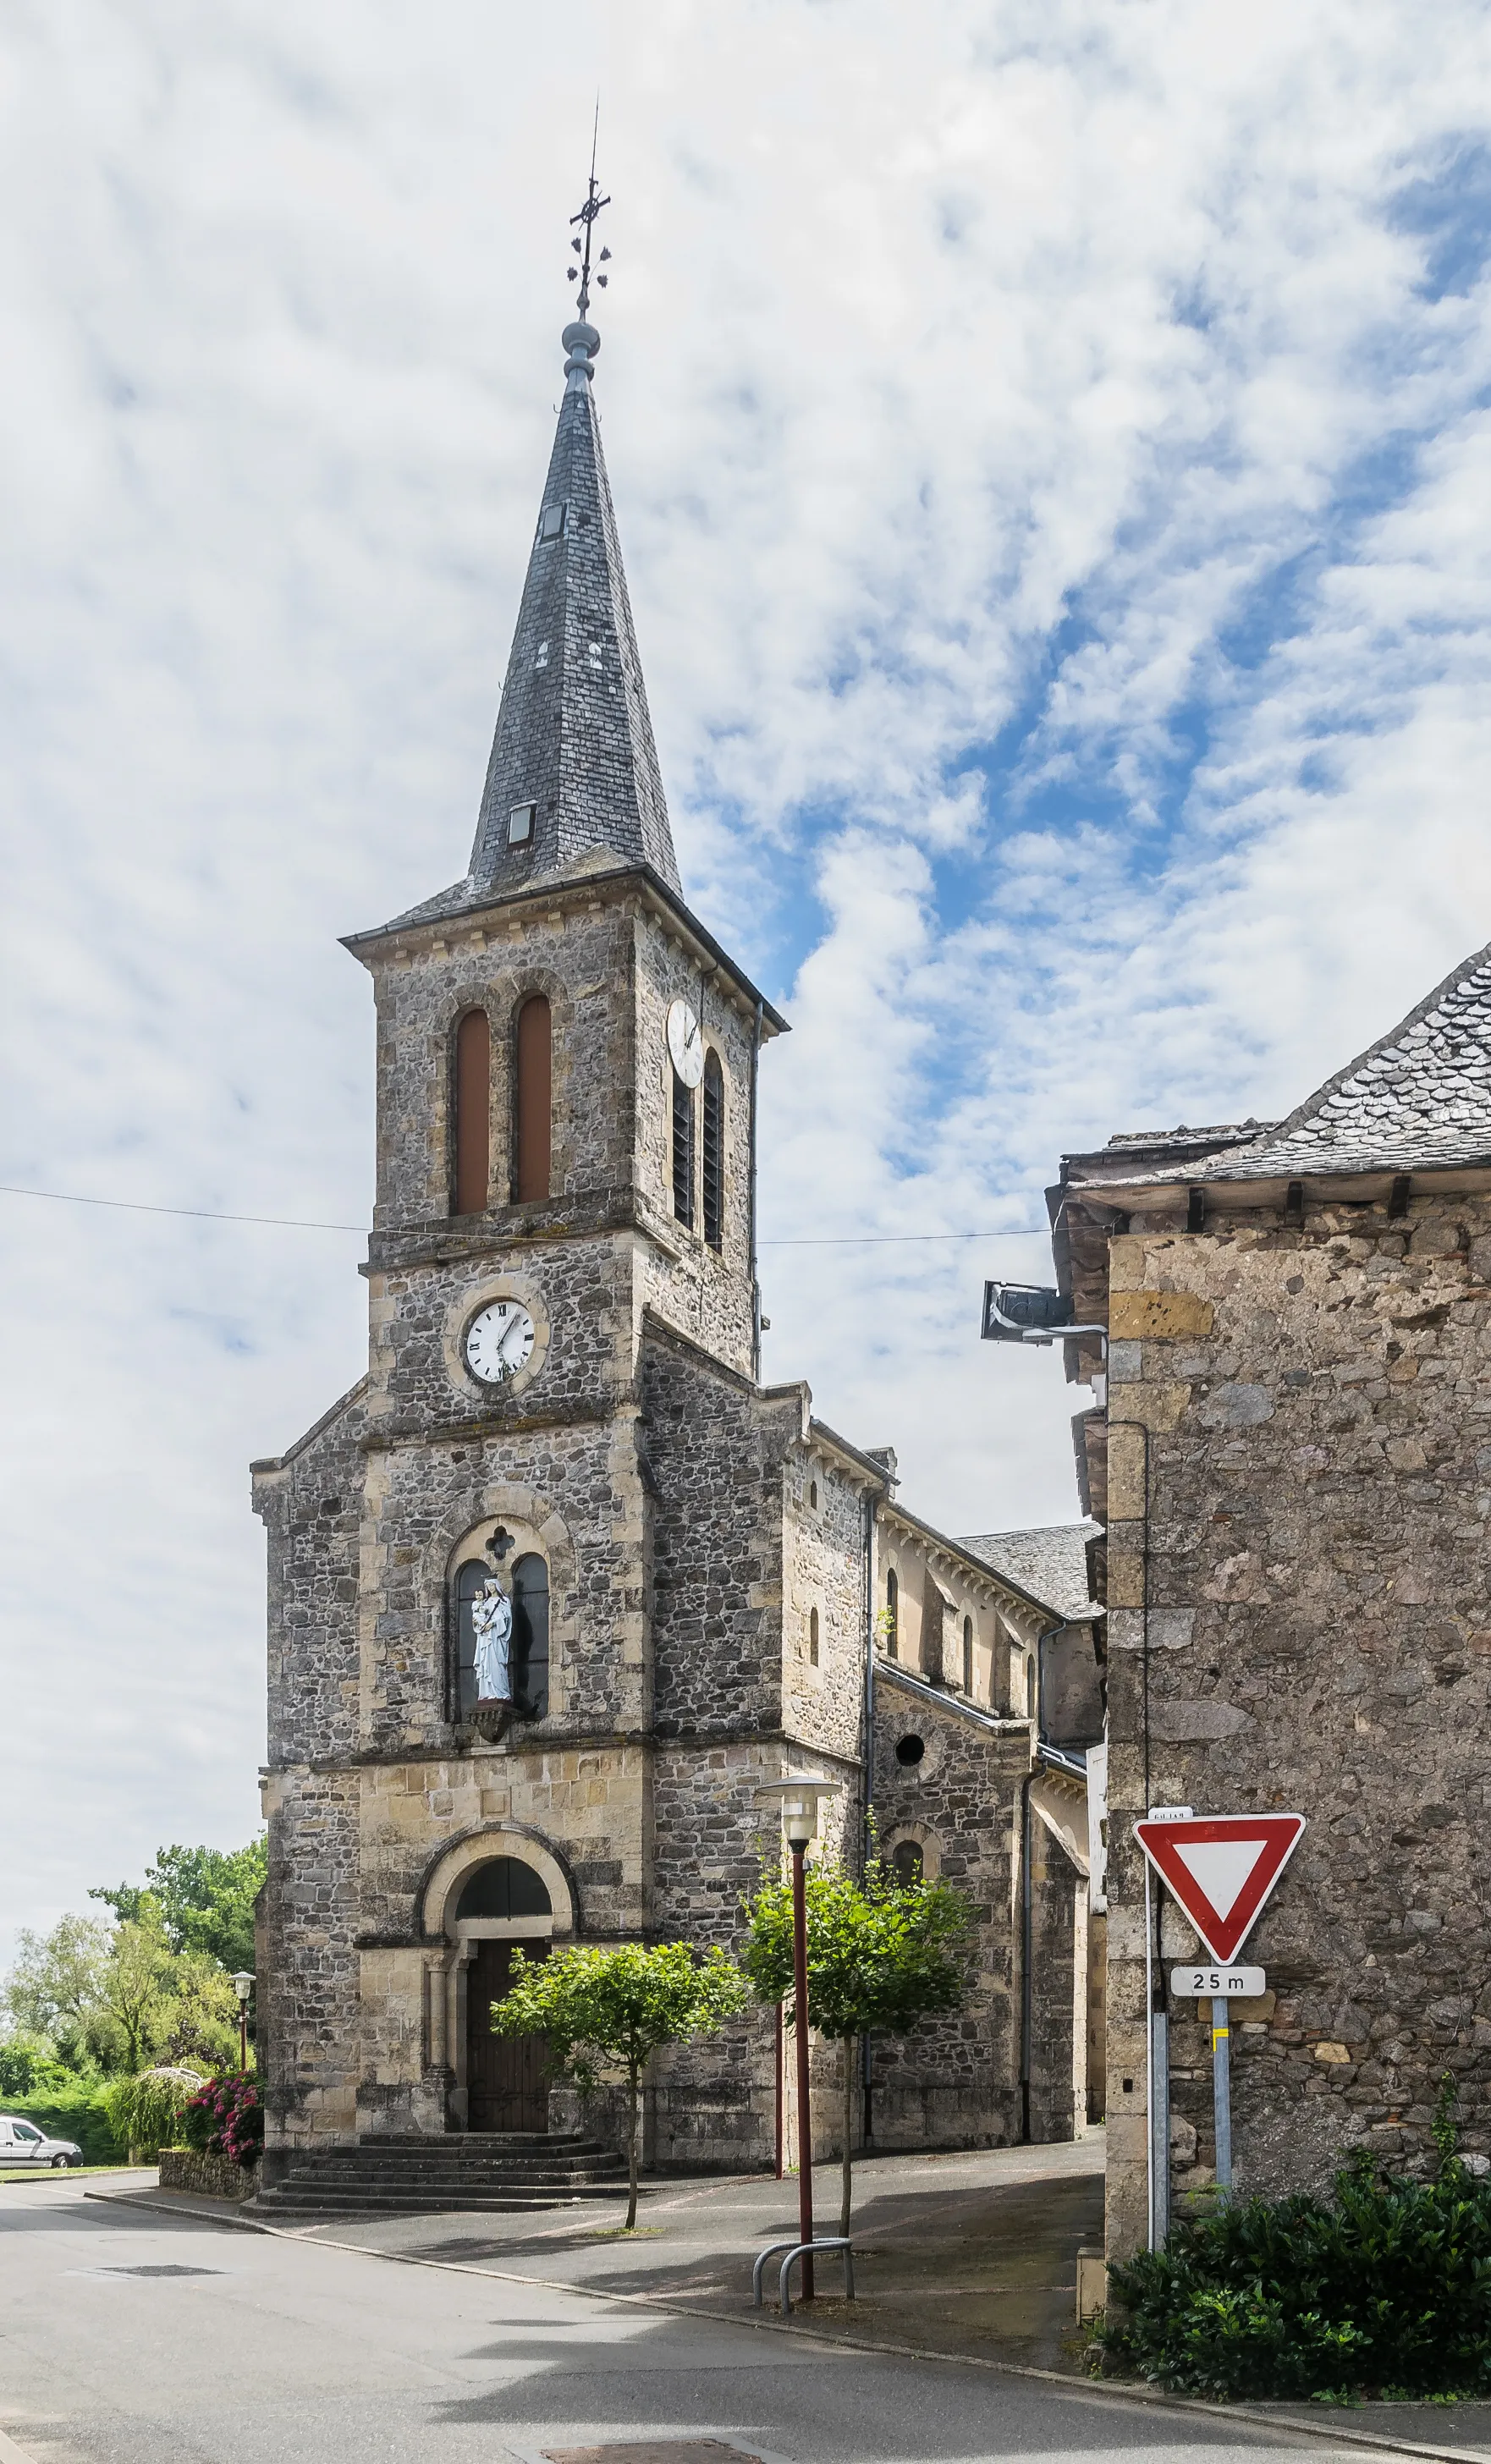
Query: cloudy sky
(1053, 455)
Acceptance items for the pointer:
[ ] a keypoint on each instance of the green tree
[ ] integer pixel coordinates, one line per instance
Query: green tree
(199, 2013)
(54, 1989)
(882, 1955)
(204, 1897)
(612, 2011)
(136, 1986)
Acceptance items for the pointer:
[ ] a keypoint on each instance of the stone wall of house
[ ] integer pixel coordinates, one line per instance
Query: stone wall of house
(1300, 1427)
(955, 2082)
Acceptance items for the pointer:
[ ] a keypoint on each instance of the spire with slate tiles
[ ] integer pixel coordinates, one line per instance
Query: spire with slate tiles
(573, 770)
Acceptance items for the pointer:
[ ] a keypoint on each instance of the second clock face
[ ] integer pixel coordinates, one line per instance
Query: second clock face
(498, 1342)
(685, 1042)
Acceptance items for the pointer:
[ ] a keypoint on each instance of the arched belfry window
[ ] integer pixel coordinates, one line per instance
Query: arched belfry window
(892, 1613)
(714, 1153)
(473, 1108)
(683, 1152)
(531, 1638)
(968, 1655)
(532, 1100)
(529, 1590)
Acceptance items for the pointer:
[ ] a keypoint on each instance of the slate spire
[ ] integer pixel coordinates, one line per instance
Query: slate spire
(573, 770)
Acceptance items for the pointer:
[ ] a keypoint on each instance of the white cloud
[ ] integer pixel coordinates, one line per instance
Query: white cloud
(1054, 508)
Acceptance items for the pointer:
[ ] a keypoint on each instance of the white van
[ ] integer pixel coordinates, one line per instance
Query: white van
(21, 2142)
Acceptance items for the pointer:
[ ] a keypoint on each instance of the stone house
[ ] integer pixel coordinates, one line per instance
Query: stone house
(1292, 1466)
(559, 1582)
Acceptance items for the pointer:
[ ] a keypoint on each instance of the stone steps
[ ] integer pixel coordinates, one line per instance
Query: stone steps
(502, 2171)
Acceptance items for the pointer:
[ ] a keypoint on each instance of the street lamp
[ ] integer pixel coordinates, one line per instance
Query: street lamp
(799, 1800)
(242, 1987)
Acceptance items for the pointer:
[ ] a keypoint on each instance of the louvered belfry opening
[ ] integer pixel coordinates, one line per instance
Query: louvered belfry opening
(713, 1156)
(533, 1085)
(473, 1114)
(683, 1152)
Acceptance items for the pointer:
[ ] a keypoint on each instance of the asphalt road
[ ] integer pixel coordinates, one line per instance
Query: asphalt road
(127, 2338)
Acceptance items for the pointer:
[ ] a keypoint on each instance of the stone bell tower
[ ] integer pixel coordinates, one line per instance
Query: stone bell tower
(566, 1133)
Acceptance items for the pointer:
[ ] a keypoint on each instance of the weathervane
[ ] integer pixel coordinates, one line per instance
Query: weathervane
(586, 215)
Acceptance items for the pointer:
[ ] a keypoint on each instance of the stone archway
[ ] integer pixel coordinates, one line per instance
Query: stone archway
(490, 1894)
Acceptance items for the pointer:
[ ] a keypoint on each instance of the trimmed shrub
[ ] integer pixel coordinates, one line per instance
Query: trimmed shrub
(1383, 2289)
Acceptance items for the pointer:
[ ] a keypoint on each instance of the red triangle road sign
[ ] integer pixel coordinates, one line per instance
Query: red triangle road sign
(1222, 1868)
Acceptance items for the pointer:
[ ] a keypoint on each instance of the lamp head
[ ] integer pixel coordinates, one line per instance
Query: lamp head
(243, 1985)
(799, 1800)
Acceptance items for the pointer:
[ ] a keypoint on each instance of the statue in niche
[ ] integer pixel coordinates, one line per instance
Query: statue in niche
(491, 1634)
(492, 1624)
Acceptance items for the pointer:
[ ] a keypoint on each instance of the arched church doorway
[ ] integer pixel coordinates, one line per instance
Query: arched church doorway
(503, 1908)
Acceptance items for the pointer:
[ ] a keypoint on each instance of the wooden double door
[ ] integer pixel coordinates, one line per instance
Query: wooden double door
(506, 2085)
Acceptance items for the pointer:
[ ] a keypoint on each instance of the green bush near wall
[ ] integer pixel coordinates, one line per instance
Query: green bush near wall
(1383, 2289)
(73, 2113)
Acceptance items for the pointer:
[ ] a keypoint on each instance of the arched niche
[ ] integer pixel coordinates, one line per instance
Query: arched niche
(460, 1863)
(534, 1532)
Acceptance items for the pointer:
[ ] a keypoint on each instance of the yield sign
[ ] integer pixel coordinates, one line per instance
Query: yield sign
(1221, 1869)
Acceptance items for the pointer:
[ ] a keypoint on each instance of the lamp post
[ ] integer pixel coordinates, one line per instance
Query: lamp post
(242, 1987)
(799, 1800)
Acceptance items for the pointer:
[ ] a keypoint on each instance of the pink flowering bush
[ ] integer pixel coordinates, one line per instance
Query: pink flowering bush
(226, 2119)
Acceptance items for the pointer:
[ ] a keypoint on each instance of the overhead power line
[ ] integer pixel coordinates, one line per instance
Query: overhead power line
(308, 1224)
(199, 1214)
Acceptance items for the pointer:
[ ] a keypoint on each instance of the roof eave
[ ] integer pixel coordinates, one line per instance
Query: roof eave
(578, 887)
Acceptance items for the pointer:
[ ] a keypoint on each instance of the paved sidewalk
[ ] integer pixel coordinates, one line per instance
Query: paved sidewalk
(967, 2253)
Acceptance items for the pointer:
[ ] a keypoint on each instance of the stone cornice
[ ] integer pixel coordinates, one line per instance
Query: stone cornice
(611, 888)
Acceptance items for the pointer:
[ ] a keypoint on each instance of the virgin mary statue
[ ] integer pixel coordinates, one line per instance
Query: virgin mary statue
(492, 1624)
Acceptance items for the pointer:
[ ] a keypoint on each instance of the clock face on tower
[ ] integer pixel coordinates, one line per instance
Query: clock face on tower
(498, 1342)
(685, 1042)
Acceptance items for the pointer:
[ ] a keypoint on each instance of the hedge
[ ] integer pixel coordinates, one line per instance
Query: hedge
(77, 2113)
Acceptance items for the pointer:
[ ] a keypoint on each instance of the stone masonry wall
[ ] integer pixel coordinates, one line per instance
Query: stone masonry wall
(310, 1506)
(1317, 1399)
(309, 1998)
(955, 2082)
(705, 1292)
(714, 1449)
(579, 954)
(824, 1570)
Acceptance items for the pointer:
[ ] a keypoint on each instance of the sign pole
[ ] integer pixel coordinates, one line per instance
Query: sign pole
(1221, 2089)
(1159, 2122)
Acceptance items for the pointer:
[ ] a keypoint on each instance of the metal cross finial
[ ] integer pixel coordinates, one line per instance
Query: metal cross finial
(586, 216)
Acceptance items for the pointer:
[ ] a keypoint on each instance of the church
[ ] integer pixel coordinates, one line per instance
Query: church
(559, 1583)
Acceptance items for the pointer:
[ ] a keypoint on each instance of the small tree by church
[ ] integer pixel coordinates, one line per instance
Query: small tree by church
(613, 2009)
(882, 1952)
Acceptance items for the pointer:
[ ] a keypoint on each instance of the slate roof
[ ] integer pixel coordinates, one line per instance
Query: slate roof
(574, 734)
(1417, 1098)
(1049, 1561)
